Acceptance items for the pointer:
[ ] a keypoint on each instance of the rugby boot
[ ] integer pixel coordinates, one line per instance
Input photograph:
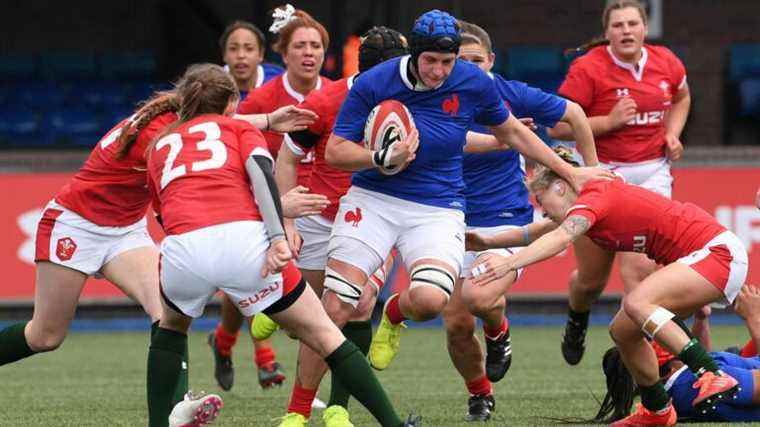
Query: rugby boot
(271, 375)
(223, 370)
(413, 421)
(498, 356)
(479, 407)
(196, 410)
(293, 419)
(262, 327)
(385, 343)
(336, 416)
(712, 390)
(573, 342)
(644, 417)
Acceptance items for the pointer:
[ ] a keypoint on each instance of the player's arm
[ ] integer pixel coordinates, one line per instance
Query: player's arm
(514, 237)
(348, 155)
(582, 133)
(623, 112)
(747, 306)
(259, 168)
(513, 133)
(675, 121)
(546, 246)
(283, 119)
(482, 143)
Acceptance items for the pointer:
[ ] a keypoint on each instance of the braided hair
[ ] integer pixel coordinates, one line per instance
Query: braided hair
(160, 103)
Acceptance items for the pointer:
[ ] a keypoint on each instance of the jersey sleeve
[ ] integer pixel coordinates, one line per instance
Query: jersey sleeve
(578, 85)
(591, 203)
(354, 111)
(677, 73)
(491, 110)
(544, 108)
(252, 104)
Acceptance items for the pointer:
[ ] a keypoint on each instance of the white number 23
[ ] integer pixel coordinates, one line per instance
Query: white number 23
(210, 143)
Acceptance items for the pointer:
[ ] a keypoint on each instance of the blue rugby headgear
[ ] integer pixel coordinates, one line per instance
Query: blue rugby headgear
(434, 31)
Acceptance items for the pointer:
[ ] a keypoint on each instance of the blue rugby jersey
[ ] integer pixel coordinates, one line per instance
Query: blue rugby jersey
(265, 72)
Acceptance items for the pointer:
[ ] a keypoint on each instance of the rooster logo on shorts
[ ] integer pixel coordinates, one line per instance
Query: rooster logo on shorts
(354, 217)
(65, 248)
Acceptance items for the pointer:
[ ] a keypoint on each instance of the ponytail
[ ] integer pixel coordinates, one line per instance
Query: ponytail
(159, 103)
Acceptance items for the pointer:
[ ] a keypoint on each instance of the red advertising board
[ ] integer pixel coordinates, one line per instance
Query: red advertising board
(727, 193)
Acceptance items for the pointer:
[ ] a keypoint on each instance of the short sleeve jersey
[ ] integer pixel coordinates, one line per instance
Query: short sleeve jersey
(598, 80)
(109, 191)
(325, 179)
(272, 95)
(628, 218)
(197, 173)
(494, 182)
(264, 73)
(681, 390)
(442, 116)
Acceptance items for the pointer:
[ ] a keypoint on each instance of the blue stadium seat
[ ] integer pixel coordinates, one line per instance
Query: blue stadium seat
(141, 91)
(99, 95)
(744, 62)
(749, 96)
(69, 66)
(133, 65)
(20, 127)
(543, 67)
(40, 96)
(18, 67)
(74, 126)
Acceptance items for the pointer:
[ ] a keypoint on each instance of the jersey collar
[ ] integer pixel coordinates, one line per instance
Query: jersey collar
(409, 79)
(350, 81)
(259, 76)
(637, 74)
(674, 377)
(292, 92)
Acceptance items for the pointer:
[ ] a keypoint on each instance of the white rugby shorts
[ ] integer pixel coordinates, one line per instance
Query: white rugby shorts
(471, 256)
(654, 175)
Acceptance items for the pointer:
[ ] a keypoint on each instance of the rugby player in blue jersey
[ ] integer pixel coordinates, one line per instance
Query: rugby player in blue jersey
(497, 200)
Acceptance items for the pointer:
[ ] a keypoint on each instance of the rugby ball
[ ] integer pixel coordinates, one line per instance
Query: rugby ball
(388, 122)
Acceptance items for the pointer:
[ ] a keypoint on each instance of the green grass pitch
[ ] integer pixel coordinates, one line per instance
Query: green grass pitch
(98, 379)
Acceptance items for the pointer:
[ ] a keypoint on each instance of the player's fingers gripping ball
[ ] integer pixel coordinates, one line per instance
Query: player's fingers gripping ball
(388, 124)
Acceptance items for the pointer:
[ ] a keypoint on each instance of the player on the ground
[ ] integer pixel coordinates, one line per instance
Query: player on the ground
(201, 172)
(679, 382)
(497, 200)
(702, 263)
(301, 41)
(313, 232)
(637, 100)
(418, 210)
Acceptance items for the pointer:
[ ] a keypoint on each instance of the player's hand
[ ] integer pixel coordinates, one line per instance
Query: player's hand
(299, 202)
(476, 242)
(528, 121)
(585, 174)
(623, 112)
(673, 147)
(404, 152)
(295, 241)
(703, 313)
(757, 198)
(488, 269)
(747, 303)
(290, 119)
(278, 256)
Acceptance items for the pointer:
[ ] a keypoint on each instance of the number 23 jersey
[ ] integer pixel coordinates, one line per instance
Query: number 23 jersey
(197, 173)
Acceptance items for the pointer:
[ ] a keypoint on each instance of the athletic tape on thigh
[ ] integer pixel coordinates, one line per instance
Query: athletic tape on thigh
(432, 275)
(345, 290)
(656, 321)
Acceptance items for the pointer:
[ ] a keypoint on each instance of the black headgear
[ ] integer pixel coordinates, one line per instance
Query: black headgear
(380, 44)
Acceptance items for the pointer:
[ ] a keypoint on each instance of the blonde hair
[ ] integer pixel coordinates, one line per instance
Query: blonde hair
(543, 177)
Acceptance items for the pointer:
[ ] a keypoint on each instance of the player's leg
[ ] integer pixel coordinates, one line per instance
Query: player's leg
(221, 341)
(467, 355)
(634, 268)
(586, 284)
(489, 304)
(56, 294)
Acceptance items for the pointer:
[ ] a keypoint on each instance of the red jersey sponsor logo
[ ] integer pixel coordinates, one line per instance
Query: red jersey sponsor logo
(354, 217)
(450, 106)
(65, 248)
(647, 118)
(260, 295)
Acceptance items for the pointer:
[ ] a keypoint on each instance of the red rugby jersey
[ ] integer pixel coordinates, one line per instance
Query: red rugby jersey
(112, 192)
(628, 218)
(325, 179)
(272, 95)
(597, 80)
(197, 173)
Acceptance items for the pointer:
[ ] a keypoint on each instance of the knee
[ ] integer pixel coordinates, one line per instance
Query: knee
(427, 302)
(632, 306)
(587, 286)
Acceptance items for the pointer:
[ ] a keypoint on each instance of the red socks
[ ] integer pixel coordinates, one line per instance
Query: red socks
(393, 310)
(480, 387)
(224, 341)
(749, 349)
(301, 399)
(496, 333)
(265, 356)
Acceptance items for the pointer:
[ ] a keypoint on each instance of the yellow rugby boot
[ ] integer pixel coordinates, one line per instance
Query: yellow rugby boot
(336, 416)
(385, 343)
(262, 327)
(292, 419)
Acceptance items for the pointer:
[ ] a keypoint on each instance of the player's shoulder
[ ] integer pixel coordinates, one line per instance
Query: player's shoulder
(659, 51)
(596, 57)
(269, 88)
